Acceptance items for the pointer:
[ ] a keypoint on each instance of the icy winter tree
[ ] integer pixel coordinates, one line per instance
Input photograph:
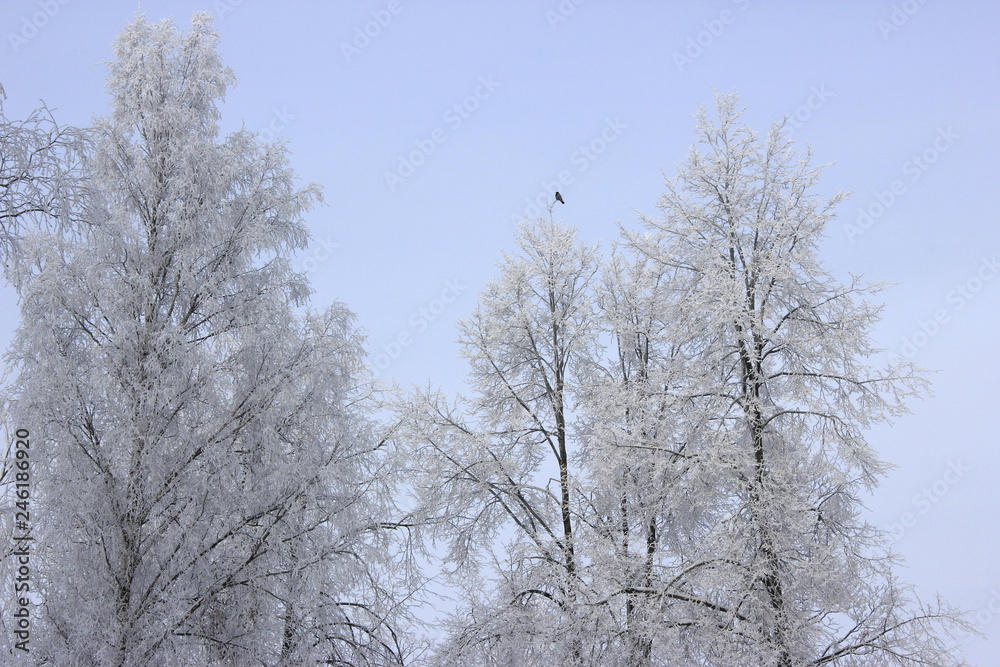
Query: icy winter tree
(763, 371)
(207, 487)
(40, 164)
(641, 468)
(496, 471)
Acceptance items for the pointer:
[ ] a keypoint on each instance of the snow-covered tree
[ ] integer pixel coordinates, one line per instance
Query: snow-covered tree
(641, 470)
(495, 472)
(208, 488)
(772, 392)
(40, 163)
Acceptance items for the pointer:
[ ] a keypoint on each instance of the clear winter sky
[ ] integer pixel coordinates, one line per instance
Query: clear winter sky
(901, 96)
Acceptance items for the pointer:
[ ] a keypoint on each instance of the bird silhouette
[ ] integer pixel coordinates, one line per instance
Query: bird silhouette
(559, 198)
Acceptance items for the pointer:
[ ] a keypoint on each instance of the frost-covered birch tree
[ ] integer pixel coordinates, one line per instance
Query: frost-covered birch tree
(778, 391)
(208, 487)
(495, 472)
(650, 493)
(40, 163)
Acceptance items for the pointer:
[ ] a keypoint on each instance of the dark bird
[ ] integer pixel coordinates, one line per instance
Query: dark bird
(559, 198)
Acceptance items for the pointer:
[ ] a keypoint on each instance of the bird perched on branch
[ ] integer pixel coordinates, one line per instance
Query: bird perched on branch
(559, 198)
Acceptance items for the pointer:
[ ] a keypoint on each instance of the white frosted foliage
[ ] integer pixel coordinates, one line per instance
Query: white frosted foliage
(209, 489)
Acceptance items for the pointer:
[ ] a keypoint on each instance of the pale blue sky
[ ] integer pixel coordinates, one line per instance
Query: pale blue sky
(871, 86)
